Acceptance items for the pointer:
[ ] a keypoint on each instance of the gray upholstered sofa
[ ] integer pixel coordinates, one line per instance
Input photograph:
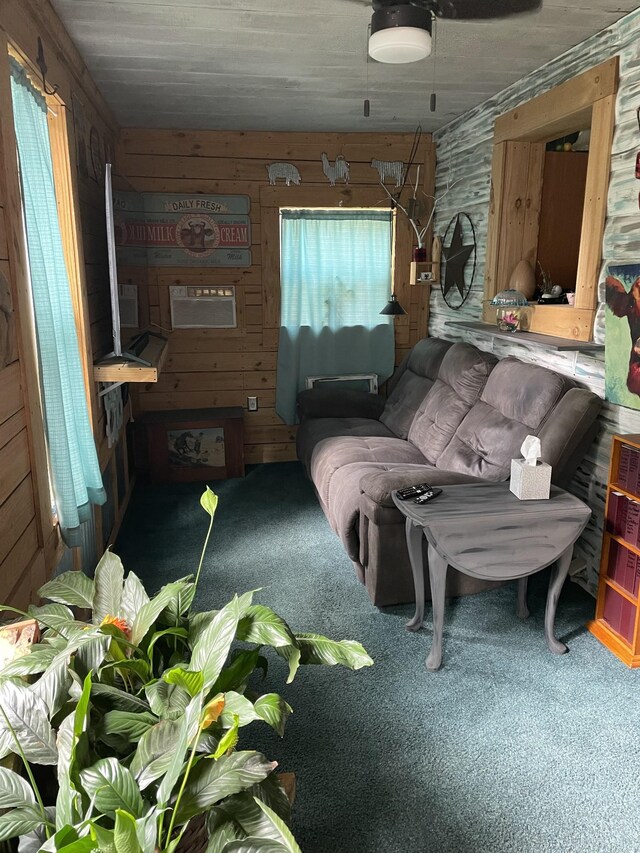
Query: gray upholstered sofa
(454, 414)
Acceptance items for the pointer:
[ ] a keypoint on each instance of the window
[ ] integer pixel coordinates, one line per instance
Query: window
(335, 277)
(75, 473)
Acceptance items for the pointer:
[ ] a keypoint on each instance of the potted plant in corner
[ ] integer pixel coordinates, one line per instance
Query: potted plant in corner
(138, 714)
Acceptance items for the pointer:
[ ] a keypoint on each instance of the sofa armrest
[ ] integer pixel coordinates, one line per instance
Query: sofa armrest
(378, 485)
(339, 403)
(565, 438)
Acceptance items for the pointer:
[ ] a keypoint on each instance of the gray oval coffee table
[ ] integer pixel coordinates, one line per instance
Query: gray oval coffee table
(484, 531)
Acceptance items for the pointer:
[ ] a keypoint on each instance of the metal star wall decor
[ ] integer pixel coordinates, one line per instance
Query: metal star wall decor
(456, 283)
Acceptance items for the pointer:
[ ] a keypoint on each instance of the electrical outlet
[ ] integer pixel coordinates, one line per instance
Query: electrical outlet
(252, 404)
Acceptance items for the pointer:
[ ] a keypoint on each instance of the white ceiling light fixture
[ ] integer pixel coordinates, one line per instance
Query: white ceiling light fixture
(400, 34)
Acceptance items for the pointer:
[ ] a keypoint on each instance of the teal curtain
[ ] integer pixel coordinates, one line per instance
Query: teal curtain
(74, 469)
(335, 277)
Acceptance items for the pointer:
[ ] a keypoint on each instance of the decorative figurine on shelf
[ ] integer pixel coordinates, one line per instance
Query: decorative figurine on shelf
(523, 279)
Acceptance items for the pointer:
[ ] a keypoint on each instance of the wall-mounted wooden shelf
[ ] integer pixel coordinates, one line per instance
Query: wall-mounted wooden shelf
(418, 267)
(121, 370)
(549, 341)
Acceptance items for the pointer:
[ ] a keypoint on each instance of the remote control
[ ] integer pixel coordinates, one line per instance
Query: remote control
(428, 496)
(413, 491)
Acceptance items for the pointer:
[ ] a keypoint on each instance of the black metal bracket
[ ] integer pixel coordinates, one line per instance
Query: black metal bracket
(42, 65)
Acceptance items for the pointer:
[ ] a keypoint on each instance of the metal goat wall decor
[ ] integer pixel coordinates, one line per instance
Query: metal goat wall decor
(336, 171)
(283, 170)
(389, 169)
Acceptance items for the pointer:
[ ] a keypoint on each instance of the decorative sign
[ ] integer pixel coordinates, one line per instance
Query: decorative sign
(171, 229)
(622, 352)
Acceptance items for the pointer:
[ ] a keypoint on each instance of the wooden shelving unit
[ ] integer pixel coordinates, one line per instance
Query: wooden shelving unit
(617, 620)
(121, 370)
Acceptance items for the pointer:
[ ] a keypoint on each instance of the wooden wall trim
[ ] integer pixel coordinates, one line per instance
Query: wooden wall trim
(543, 117)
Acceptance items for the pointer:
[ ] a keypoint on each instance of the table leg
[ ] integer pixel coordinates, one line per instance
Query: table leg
(438, 580)
(414, 546)
(522, 608)
(558, 575)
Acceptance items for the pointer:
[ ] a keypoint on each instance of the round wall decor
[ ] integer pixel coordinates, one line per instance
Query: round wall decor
(458, 263)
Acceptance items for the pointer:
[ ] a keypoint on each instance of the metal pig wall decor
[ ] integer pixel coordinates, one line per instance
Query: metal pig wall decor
(336, 171)
(389, 169)
(283, 170)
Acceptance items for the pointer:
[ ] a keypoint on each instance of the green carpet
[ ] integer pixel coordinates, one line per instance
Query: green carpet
(506, 749)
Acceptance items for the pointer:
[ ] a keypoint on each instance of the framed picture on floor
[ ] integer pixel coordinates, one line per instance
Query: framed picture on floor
(196, 444)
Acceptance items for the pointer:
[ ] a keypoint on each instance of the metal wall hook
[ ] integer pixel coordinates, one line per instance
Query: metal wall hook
(42, 65)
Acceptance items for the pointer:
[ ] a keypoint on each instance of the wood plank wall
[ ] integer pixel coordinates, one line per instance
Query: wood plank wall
(30, 546)
(464, 150)
(222, 367)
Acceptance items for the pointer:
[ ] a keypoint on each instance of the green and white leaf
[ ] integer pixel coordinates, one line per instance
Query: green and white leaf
(189, 727)
(103, 838)
(113, 787)
(237, 705)
(316, 649)
(181, 602)
(168, 701)
(134, 597)
(15, 792)
(155, 751)
(45, 610)
(67, 795)
(263, 626)
(147, 831)
(108, 580)
(236, 675)
(191, 681)
(125, 835)
(28, 717)
(281, 831)
(31, 842)
(72, 588)
(117, 699)
(254, 845)
(292, 655)
(130, 725)
(19, 822)
(150, 611)
(212, 648)
(90, 654)
(36, 660)
(211, 781)
(273, 710)
(198, 622)
(53, 686)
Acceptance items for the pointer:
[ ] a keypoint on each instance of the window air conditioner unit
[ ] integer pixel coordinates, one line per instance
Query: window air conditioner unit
(197, 307)
(128, 302)
(356, 381)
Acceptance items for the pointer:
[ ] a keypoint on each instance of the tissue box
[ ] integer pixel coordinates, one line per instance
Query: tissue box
(530, 482)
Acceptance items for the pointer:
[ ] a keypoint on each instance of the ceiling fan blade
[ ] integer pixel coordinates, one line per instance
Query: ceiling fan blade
(470, 10)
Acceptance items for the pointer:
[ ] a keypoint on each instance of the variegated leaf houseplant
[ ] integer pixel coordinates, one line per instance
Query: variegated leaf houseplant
(138, 713)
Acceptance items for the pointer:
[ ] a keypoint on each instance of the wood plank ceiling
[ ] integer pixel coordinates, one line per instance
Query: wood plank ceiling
(301, 64)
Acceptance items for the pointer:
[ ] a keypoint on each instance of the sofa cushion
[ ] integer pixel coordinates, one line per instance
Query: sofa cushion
(517, 401)
(461, 380)
(415, 379)
(314, 430)
(333, 454)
